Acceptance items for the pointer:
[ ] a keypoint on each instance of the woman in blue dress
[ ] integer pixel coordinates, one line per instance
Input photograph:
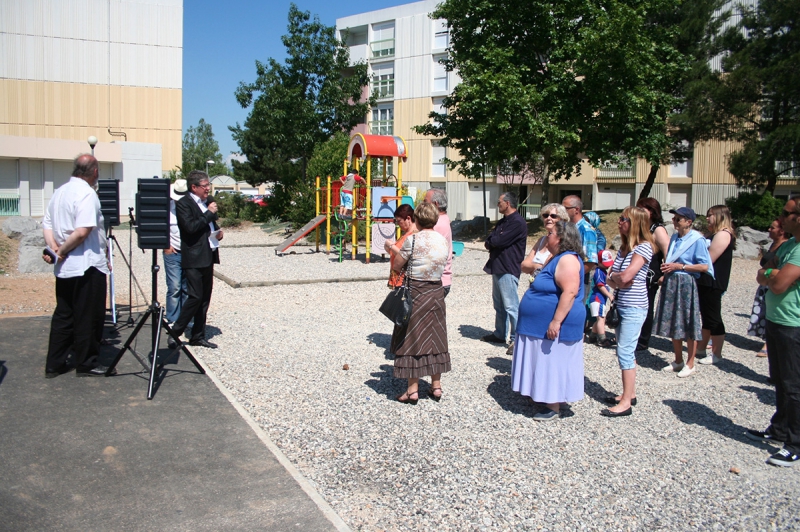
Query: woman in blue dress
(548, 351)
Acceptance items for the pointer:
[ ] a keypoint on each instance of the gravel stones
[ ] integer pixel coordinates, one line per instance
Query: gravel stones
(476, 460)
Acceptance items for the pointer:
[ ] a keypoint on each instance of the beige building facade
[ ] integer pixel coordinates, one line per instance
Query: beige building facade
(403, 46)
(70, 69)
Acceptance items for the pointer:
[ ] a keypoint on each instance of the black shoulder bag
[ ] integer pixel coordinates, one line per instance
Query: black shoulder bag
(397, 305)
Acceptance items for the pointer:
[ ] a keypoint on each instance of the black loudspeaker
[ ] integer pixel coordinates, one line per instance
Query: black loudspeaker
(108, 192)
(152, 210)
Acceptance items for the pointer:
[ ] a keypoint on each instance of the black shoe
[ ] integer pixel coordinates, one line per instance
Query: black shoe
(766, 436)
(97, 371)
(54, 374)
(608, 413)
(202, 342)
(172, 344)
(492, 339)
(784, 458)
(611, 400)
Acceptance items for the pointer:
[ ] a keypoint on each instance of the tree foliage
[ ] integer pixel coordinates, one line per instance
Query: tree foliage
(755, 99)
(556, 82)
(200, 146)
(328, 158)
(297, 106)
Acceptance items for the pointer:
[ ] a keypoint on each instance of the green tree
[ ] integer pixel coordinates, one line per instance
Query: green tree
(200, 146)
(298, 105)
(755, 99)
(557, 82)
(328, 158)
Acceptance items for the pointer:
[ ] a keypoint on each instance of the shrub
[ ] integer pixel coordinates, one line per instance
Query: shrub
(228, 223)
(230, 204)
(754, 210)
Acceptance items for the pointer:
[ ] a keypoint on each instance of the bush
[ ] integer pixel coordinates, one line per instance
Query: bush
(230, 204)
(754, 210)
(229, 223)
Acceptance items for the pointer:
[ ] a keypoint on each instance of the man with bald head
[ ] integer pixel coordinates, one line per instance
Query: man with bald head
(74, 230)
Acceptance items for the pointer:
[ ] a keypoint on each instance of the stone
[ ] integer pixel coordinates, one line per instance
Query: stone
(30, 260)
(746, 250)
(33, 239)
(616, 242)
(17, 226)
(751, 235)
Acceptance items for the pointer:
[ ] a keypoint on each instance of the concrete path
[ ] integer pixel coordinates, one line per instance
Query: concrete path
(94, 454)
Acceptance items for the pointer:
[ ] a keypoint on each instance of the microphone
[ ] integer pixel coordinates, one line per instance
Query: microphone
(210, 199)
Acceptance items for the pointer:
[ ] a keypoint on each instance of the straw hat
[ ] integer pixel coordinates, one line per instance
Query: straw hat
(178, 189)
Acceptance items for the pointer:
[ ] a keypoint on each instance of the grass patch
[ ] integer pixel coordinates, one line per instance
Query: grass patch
(6, 254)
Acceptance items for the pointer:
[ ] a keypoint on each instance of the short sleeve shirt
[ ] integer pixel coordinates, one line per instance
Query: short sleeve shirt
(75, 204)
(589, 240)
(636, 294)
(429, 257)
(784, 309)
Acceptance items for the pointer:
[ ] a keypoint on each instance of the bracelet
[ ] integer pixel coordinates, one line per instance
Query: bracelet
(767, 273)
(683, 268)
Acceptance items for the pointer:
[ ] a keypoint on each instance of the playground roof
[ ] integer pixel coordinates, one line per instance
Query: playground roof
(362, 146)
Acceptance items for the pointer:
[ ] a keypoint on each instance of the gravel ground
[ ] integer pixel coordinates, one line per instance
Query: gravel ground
(476, 460)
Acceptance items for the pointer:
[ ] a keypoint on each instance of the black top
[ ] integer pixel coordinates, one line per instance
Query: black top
(506, 245)
(655, 273)
(722, 269)
(769, 255)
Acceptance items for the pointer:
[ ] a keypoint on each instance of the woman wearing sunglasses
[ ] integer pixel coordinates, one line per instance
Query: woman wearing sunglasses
(629, 277)
(539, 255)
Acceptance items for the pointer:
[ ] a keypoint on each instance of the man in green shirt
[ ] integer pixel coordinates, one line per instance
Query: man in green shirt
(783, 342)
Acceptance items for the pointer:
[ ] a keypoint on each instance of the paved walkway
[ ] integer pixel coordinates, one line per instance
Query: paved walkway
(94, 454)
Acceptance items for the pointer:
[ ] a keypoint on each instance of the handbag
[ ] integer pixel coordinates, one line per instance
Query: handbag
(398, 305)
(613, 318)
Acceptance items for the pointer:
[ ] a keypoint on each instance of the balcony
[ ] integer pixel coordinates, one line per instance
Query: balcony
(616, 172)
(358, 53)
(381, 127)
(382, 49)
(789, 171)
(384, 88)
(9, 204)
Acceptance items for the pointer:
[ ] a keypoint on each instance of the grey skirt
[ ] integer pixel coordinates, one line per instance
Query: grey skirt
(678, 311)
(420, 348)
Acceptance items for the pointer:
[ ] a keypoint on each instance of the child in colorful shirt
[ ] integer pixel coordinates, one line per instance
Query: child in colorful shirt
(599, 299)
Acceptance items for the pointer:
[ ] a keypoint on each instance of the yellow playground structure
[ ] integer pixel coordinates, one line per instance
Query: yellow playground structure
(374, 202)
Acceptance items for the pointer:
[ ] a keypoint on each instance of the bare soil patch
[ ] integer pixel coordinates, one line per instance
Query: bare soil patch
(22, 294)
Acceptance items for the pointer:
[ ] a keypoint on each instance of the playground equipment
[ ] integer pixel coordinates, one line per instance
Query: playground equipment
(373, 202)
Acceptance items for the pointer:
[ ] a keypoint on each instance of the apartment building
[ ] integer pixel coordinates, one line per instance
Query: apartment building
(403, 46)
(71, 69)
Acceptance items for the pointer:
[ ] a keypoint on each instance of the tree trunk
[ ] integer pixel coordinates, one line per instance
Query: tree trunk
(771, 182)
(648, 185)
(545, 180)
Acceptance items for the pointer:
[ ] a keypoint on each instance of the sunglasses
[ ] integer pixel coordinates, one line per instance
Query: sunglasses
(622, 219)
(552, 215)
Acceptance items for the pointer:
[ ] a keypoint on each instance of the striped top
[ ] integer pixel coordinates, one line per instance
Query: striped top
(636, 294)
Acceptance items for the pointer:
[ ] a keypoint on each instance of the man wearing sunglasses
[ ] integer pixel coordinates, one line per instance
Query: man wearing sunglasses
(574, 207)
(783, 342)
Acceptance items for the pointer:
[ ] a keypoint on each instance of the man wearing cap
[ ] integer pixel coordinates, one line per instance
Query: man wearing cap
(176, 280)
(197, 213)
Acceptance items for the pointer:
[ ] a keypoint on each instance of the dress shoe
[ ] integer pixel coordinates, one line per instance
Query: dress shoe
(608, 413)
(202, 342)
(172, 344)
(54, 374)
(612, 400)
(492, 339)
(97, 371)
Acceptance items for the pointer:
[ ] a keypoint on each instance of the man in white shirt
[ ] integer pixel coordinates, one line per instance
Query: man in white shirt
(176, 280)
(74, 230)
(438, 197)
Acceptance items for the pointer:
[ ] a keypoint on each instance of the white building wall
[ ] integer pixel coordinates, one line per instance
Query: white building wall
(55, 40)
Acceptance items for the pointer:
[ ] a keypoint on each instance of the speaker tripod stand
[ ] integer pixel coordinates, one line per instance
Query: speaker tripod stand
(156, 314)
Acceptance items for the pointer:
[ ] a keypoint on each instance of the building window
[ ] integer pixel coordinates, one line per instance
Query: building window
(383, 80)
(377, 169)
(438, 106)
(382, 120)
(382, 43)
(441, 36)
(438, 168)
(439, 74)
(684, 169)
(787, 169)
(621, 169)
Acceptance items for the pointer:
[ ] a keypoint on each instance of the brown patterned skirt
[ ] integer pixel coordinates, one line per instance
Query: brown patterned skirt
(420, 348)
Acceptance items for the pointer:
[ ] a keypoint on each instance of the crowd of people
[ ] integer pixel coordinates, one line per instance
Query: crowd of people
(574, 277)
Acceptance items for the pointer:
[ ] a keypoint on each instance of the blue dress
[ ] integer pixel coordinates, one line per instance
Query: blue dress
(549, 371)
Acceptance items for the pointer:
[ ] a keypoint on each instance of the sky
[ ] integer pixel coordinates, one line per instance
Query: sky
(222, 41)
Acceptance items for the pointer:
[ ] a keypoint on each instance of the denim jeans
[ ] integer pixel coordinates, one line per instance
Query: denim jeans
(628, 331)
(506, 305)
(176, 285)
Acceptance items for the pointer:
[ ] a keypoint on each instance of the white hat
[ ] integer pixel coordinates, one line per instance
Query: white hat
(178, 189)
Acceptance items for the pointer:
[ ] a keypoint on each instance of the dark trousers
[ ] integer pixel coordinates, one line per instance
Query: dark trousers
(77, 321)
(647, 327)
(199, 283)
(711, 309)
(783, 351)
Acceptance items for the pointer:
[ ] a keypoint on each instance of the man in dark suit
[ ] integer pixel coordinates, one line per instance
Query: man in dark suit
(200, 238)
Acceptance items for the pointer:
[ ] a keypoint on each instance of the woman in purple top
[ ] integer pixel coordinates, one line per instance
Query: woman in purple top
(548, 351)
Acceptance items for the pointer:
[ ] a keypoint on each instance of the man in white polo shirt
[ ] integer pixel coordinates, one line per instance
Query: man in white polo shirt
(74, 230)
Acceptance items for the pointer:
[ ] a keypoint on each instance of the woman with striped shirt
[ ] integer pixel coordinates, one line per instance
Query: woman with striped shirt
(629, 277)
